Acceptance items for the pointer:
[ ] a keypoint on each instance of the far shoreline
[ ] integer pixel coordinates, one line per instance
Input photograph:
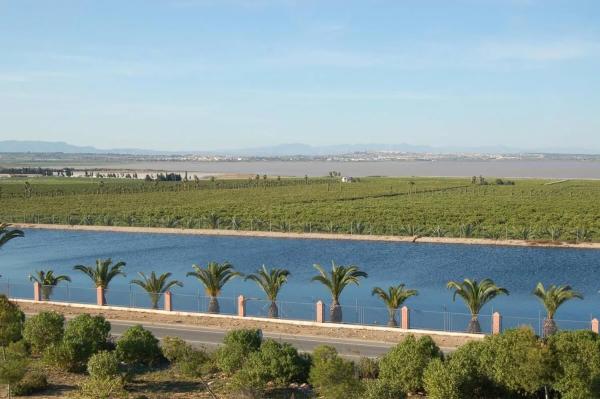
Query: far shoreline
(312, 236)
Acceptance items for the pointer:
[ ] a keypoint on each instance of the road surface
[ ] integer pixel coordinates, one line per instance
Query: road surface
(212, 338)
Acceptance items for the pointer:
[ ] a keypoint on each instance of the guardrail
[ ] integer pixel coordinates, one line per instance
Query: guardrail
(406, 318)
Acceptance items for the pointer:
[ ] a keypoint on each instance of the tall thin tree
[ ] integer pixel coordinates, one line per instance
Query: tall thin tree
(393, 298)
(102, 273)
(214, 277)
(338, 279)
(155, 285)
(270, 281)
(475, 295)
(552, 298)
(48, 280)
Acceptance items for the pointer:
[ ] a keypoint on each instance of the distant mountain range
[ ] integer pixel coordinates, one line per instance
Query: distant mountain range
(23, 146)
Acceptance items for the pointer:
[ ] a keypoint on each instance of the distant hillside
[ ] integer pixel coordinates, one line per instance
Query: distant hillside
(62, 147)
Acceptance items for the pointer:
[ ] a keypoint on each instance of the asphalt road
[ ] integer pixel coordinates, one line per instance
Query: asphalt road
(211, 338)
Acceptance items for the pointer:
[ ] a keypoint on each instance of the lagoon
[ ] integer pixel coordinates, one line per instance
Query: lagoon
(424, 266)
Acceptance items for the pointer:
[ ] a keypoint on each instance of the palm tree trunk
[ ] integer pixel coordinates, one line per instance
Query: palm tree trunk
(549, 327)
(154, 297)
(392, 318)
(46, 292)
(213, 305)
(335, 312)
(273, 310)
(474, 327)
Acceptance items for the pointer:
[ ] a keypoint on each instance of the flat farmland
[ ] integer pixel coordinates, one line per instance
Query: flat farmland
(442, 207)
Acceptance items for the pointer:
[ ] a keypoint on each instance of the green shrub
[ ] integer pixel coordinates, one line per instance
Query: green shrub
(380, 389)
(405, 363)
(62, 356)
(333, 377)
(517, 361)
(577, 355)
(237, 346)
(441, 381)
(11, 321)
(368, 368)
(86, 335)
(279, 364)
(32, 382)
(102, 388)
(43, 330)
(174, 348)
(138, 346)
(103, 364)
(13, 365)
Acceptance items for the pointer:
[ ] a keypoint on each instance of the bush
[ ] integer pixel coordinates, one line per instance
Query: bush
(13, 366)
(517, 361)
(138, 346)
(103, 364)
(11, 321)
(174, 349)
(405, 364)
(62, 356)
(333, 377)
(368, 368)
(441, 381)
(43, 330)
(102, 388)
(379, 389)
(237, 346)
(274, 363)
(577, 355)
(32, 382)
(86, 335)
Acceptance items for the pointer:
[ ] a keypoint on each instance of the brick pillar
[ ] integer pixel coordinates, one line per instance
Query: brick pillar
(168, 301)
(100, 296)
(405, 318)
(595, 326)
(37, 291)
(241, 306)
(320, 312)
(496, 323)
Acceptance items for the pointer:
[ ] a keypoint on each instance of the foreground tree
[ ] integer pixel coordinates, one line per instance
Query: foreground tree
(48, 281)
(339, 278)
(270, 281)
(156, 286)
(7, 234)
(102, 273)
(393, 298)
(214, 277)
(476, 295)
(552, 298)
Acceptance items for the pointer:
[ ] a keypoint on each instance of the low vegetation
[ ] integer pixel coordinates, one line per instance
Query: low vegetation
(525, 209)
(514, 364)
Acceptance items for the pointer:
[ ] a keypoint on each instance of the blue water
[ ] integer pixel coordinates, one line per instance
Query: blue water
(426, 267)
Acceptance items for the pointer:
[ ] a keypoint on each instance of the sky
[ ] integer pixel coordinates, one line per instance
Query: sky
(218, 74)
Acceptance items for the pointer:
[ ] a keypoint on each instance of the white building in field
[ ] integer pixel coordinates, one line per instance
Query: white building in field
(347, 179)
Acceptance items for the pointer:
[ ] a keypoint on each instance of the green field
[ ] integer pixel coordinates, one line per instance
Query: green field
(452, 207)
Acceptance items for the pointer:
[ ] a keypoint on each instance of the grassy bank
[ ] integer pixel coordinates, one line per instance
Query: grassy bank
(437, 207)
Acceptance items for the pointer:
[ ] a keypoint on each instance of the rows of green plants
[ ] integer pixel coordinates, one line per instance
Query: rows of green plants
(514, 364)
(528, 210)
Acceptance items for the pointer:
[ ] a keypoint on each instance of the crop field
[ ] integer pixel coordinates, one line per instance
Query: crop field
(452, 207)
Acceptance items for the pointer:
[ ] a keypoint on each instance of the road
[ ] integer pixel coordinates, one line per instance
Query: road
(211, 338)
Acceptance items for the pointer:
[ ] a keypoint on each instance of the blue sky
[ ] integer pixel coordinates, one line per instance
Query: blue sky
(206, 74)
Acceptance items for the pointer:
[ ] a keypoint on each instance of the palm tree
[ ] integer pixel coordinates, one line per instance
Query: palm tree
(393, 298)
(270, 281)
(156, 286)
(7, 234)
(339, 278)
(552, 298)
(48, 281)
(214, 277)
(102, 273)
(476, 295)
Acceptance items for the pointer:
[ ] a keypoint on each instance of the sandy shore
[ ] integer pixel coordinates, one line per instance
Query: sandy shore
(314, 236)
